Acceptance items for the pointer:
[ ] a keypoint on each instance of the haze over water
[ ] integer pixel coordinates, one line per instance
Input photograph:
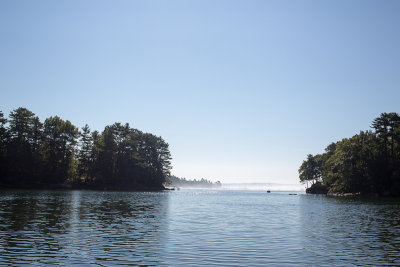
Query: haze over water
(240, 90)
(196, 227)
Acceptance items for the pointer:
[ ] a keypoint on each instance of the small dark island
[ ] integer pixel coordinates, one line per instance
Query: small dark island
(366, 164)
(55, 154)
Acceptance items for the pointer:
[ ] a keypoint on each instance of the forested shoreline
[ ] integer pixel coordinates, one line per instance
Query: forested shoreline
(55, 154)
(177, 182)
(367, 163)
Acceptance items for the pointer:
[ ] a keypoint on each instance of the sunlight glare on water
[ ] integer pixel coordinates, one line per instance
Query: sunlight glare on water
(196, 227)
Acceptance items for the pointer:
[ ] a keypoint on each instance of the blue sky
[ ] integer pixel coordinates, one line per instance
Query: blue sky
(241, 90)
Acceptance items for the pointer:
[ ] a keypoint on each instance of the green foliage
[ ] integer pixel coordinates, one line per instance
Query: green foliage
(23, 147)
(310, 169)
(59, 149)
(33, 154)
(368, 162)
(85, 156)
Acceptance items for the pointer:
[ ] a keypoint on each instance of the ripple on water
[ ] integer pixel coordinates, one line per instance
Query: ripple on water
(192, 227)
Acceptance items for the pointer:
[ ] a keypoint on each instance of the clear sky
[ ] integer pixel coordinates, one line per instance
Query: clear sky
(241, 90)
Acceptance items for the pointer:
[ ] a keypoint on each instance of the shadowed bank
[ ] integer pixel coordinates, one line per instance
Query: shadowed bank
(56, 155)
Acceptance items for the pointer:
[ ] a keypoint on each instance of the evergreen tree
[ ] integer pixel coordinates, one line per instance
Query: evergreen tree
(85, 156)
(59, 142)
(23, 150)
(36, 154)
(368, 162)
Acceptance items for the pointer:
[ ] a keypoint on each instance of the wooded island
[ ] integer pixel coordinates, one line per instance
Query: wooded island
(176, 182)
(56, 154)
(367, 163)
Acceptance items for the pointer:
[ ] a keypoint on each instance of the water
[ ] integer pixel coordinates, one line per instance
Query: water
(196, 227)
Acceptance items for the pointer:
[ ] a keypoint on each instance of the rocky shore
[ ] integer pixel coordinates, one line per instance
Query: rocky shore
(339, 194)
(319, 188)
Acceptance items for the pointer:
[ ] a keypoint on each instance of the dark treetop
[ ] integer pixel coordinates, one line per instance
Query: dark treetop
(367, 163)
(55, 154)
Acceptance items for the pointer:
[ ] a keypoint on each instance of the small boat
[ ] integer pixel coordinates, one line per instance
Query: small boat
(268, 191)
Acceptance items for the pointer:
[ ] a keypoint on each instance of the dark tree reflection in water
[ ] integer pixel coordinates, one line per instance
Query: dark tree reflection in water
(196, 227)
(77, 227)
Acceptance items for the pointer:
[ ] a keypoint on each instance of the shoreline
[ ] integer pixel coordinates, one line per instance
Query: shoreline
(60, 187)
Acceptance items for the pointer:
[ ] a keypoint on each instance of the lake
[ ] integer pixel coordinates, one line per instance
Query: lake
(196, 227)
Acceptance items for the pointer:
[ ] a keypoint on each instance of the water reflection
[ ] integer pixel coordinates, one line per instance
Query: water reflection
(193, 227)
(78, 227)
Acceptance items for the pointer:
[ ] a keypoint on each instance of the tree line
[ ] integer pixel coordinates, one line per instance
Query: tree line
(174, 181)
(56, 154)
(367, 163)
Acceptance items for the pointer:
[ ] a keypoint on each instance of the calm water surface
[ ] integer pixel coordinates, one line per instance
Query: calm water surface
(196, 227)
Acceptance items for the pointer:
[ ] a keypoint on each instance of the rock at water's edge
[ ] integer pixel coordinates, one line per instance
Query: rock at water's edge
(317, 188)
(337, 194)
